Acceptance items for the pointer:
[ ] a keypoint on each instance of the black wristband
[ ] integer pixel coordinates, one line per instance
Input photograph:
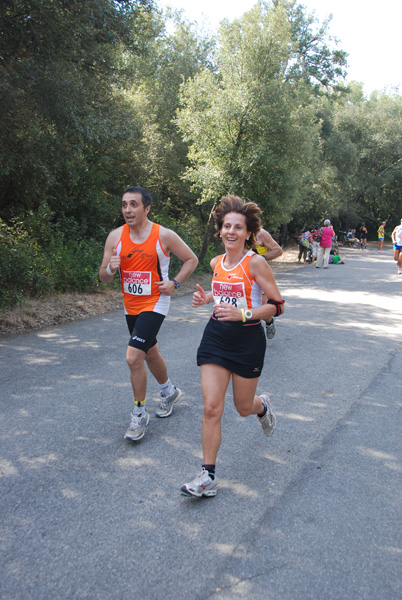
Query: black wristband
(277, 303)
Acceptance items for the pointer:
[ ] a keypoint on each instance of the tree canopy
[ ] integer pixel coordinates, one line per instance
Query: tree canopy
(98, 95)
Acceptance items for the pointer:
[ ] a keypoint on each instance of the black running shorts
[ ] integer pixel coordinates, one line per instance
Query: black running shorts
(238, 347)
(143, 329)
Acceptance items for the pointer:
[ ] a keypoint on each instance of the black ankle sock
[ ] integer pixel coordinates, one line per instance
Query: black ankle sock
(263, 413)
(210, 469)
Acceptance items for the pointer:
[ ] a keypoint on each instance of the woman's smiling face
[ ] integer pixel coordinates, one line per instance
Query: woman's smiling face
(234, 230)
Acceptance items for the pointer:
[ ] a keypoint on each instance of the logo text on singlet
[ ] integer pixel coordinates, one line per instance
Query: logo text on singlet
(137, 283)
(232, 293)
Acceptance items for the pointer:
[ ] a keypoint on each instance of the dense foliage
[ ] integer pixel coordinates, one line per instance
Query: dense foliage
(98, 95)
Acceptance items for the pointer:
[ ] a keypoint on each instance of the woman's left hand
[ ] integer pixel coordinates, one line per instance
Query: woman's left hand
(227, 312)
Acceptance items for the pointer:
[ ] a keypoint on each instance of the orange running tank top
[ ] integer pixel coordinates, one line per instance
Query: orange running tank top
(236, 286)
(140, 267)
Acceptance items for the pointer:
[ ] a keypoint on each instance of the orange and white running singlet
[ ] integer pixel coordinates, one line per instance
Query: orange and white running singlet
(236, 286)
(141, 266)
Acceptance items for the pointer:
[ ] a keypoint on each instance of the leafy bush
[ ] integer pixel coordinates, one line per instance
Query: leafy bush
(22, 269)
(49, 264)
(74, 266)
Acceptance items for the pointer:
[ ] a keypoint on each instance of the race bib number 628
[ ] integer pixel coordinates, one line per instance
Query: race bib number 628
(231, 293)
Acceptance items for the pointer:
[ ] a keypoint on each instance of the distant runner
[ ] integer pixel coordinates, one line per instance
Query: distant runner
(397, 242)
(269, 249)
(381, 237)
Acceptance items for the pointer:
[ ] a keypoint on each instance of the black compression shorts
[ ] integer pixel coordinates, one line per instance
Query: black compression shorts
(143, 329)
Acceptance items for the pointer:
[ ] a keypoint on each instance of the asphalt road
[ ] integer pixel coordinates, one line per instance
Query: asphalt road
(312, 513)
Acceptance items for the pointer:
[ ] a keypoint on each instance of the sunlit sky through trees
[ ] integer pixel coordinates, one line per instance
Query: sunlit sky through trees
(368, 32)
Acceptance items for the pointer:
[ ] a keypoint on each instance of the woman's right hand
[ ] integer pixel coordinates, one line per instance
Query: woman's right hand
(200, 297)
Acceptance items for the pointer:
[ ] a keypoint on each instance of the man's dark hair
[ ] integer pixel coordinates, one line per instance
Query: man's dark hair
(145, 195)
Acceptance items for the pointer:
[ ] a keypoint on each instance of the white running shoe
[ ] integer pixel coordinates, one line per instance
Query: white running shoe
(137, 427)
(201, 485)
(270, 329)
(166, 403)
(268, 421)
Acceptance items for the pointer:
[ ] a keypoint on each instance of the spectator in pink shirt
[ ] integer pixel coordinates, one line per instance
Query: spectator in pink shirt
(327, 233)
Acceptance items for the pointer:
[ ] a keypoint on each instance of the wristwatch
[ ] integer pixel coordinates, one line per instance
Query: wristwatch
(177, 284)
(248, 314)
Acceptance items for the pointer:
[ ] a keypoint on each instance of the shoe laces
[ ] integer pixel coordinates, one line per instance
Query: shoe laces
(136, 420)
(200, 477)
(164, 401)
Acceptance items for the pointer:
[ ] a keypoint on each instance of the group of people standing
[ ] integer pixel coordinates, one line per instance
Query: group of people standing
(243, 293)
(320, 240)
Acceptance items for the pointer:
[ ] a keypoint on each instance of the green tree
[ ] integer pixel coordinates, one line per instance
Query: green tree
(316, 58)
(179, 52)
(365, 147)
(173, 58)
(62, 63)
(250, 124)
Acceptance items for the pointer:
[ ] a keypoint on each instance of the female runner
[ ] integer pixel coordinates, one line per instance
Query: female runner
(233, 343)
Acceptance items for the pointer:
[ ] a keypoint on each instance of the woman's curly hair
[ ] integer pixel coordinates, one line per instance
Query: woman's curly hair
(250, 210)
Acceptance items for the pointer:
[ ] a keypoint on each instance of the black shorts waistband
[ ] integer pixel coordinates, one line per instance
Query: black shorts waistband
(236, 323)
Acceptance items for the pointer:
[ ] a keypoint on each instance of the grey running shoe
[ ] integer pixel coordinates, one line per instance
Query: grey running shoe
(270, 329)
(137, 426)
(268, 421)
(166, 404)
(202, 485)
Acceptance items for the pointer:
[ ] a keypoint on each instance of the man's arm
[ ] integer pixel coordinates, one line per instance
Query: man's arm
(110, 262)
(265, 239)
(173, 243)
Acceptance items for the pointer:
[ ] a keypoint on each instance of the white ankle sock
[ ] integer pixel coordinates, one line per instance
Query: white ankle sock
(138, 410)
(167, 389)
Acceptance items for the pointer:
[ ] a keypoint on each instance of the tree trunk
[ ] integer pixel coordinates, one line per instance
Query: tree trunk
(207, 235)
(283, 234)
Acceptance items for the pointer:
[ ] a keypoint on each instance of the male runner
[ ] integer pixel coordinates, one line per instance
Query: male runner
(269, 249)
(140, 251)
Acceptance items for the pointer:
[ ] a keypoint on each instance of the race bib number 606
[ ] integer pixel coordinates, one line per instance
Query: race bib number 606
(137, 283)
